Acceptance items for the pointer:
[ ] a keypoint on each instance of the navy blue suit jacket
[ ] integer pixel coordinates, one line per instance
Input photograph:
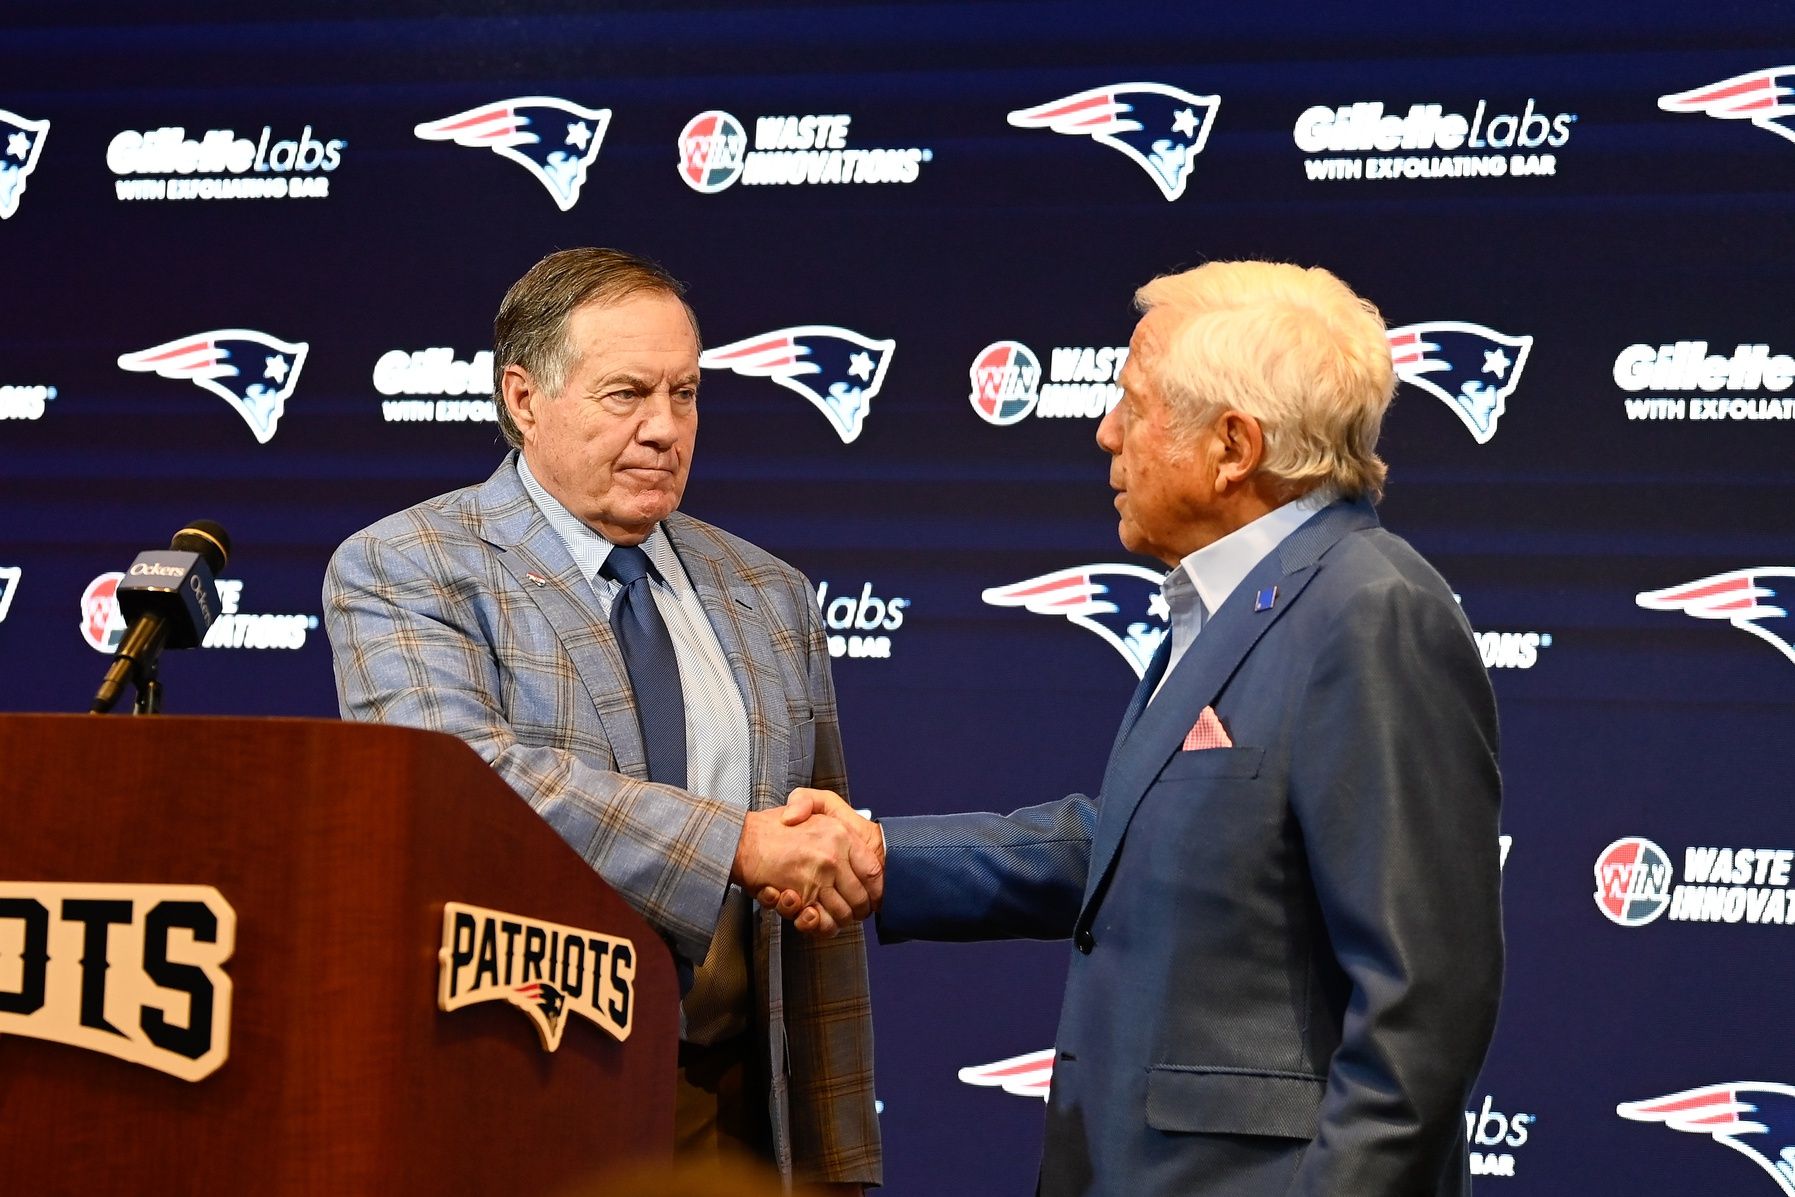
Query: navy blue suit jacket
(1288, 952)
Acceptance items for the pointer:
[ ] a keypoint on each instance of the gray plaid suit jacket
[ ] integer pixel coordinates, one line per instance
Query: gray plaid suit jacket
(435, 621)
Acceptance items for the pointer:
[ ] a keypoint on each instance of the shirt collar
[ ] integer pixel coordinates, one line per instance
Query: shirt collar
(1217, 568)
(587, 547)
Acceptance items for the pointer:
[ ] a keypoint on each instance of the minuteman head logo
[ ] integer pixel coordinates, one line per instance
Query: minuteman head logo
(555, 140)
(1120, 603)
(1160, 128)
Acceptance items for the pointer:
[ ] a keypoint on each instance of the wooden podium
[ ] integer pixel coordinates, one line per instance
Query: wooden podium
(337, 846)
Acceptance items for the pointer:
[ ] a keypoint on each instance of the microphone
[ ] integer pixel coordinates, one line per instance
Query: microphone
(168, 598)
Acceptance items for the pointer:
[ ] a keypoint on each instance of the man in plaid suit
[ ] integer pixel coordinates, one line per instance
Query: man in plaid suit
(501, 613)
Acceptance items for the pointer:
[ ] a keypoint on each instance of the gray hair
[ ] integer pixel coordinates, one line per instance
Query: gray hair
(531, 328)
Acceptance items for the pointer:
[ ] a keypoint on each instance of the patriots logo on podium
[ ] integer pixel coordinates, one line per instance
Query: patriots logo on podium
(1754, 1118)
(1025, 1076)
(1161, 128)
(1766, 98)
(1745, 598)
(1120, 603)
(837, 369)
(251, 371)
(552, 139)
(23, 141)
(1471, 368)
(547, 1008)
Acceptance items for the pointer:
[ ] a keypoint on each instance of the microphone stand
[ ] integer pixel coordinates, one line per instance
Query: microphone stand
(148, 687)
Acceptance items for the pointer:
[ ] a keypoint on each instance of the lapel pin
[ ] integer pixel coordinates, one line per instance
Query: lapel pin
(1266, 599)
(537, 578)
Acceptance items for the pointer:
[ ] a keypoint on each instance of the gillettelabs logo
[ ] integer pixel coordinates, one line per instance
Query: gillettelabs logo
(1160, 128)
(1754, 1118)
(836, 369)
(221, 165)
(1470, 368)
(1083, 381)
(714, 153)
(1441, 144)
(1766, 98)
(24, 141)
(1487, 1129)
(554, 139)
(858, 625)
(435, 371)
(1738, 597)
(237, 365)
(1687, 366)
(1120, 603)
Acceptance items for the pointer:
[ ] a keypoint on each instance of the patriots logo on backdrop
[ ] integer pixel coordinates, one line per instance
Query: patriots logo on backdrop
(552, 139)
(21, 141)
(1161, 128)
(1120, 603)
(837, 369)
(1025, 1076)
(1766, 98)
(251, 371)
(1754, 1118)
(1745, 598)
(1471, 368)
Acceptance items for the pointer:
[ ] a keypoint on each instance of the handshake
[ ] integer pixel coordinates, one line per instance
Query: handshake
(815, 860)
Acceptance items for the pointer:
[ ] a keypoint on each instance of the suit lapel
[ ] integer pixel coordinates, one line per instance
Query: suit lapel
(733, 607)
(1226, 639)
(528, 549)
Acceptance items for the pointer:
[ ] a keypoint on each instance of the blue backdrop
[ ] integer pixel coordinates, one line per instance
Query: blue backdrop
(251, 264)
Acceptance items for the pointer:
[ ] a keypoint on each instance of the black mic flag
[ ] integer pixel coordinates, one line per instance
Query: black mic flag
(168, 599)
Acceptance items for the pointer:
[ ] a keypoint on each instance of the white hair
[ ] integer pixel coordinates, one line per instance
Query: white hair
(1295, 349)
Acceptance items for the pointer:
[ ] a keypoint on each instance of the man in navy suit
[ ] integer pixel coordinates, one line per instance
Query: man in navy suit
(1285, 900)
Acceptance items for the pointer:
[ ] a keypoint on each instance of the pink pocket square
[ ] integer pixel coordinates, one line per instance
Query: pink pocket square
(1207, 732)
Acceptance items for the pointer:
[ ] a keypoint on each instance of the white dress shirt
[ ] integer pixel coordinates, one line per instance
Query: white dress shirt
(1202, 582)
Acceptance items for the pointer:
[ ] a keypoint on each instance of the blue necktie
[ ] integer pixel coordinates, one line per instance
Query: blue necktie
(653, 668)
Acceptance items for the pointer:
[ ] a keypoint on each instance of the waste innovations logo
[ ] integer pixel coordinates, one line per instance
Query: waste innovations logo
(1471, 368)
(252, 371)
(860, 624)
(1754, 1118)
(1120, 603)
(1494, 1137)
(25, 402)
(554, 139)
(1083, 381)
(1509, 650)
(1636, 883)
(1749, 599)
(714, 153)
(837, 369)
(1686, 379)
(1159, 128)
(1365, 140)
(463, 386)
(21, 141)
(219, 165)
(103, 626)
(1764, 97)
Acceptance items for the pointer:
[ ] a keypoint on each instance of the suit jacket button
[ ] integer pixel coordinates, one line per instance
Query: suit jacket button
(1085, 941)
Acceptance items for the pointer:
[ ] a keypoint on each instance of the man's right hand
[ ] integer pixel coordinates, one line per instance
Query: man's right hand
(806, 806)
(816, 861)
